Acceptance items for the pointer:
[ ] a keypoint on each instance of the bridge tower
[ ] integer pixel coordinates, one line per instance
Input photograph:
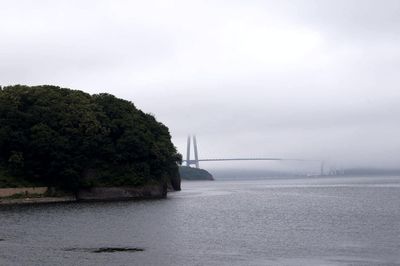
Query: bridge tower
(196, 155)
(188, 151)
(322, 168)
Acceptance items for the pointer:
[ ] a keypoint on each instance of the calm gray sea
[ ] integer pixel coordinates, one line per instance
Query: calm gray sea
(299, 221)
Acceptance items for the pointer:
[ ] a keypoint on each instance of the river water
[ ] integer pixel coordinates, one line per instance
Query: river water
(298, 221)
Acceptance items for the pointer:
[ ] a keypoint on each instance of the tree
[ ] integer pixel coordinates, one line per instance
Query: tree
(70, 139)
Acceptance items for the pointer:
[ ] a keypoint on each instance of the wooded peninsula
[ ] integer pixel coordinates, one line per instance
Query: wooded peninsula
(71, 140)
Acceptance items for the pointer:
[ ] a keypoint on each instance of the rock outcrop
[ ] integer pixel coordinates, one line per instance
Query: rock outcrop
(122, 193)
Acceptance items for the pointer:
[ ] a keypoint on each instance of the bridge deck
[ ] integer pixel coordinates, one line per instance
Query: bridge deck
(249, 159)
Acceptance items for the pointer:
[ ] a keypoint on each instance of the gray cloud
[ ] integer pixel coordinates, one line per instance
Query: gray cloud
(311, 79)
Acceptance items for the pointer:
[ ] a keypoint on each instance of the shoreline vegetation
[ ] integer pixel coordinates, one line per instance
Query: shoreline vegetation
(82, 145)
(189, 173)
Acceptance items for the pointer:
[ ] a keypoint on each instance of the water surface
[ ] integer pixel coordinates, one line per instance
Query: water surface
(299, 221)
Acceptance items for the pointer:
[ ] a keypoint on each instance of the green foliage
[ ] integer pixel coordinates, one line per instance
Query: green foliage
(189, 173)
(69, 139)
(10, 181)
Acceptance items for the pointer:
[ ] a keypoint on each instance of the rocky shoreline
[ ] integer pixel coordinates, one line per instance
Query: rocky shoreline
(94, 194)
(8, 201)
(122, 193)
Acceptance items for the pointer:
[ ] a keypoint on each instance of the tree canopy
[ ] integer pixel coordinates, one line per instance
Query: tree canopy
(69, 139)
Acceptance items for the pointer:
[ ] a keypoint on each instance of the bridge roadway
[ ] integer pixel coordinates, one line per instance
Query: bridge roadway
(235, 159)
(249, 159)
(196, 162)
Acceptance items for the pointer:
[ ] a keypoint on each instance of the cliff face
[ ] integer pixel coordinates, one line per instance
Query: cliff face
(175, 183)
(122, 193)
(89, 194)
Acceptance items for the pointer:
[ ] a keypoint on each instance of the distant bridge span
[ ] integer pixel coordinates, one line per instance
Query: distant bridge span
(240, 159)
(196, 160)
(247, 159)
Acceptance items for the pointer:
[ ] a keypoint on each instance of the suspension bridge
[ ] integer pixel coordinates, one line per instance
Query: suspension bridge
(196, 161)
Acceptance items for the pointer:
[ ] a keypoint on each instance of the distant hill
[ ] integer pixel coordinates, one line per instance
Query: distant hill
(371, 172)
(248, 173)
(189, 173)
(265, 173)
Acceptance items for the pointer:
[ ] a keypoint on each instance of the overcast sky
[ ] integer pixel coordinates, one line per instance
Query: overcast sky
(288, 78)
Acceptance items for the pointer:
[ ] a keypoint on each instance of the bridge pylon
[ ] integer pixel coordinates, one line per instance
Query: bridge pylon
(196, 155)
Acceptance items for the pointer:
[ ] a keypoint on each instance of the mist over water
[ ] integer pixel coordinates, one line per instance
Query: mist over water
(278, 221)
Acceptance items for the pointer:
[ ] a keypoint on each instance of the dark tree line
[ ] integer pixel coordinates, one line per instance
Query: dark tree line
(71, 139)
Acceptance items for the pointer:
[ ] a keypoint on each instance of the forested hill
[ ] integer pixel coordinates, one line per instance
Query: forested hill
(189, 173)
(70, 139)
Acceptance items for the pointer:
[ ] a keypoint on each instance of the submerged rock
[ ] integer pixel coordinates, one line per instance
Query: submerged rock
(106, 249)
